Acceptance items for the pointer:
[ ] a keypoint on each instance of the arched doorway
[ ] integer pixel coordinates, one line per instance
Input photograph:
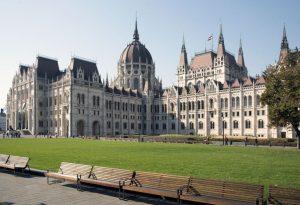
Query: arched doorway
(96, 128)
(80, 128)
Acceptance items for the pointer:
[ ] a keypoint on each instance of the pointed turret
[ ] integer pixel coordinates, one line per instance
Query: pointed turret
(221, 45)
(136, 32)
(241, 61)
(284, 49)
(183, 61)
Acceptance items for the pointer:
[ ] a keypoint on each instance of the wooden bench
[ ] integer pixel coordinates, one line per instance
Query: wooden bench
(107, 177)
(14, 162)
(3, 159)
(221, 192)
(284, 196)
(70, 172)
(155, 184)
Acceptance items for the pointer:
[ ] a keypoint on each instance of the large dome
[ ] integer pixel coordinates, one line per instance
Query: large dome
(135, 52)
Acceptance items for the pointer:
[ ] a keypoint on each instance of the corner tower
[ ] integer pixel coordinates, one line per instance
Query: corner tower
(183, 66)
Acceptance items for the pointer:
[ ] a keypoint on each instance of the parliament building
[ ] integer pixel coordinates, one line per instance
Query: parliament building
(213, 93)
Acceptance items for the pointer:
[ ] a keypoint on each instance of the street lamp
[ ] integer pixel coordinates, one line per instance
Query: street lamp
(223, 130)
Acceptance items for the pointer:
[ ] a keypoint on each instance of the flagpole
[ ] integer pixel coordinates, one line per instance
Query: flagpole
(212, 42)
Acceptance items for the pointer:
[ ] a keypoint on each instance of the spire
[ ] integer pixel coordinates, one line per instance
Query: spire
(284, 41)
(183, 44)
(183, 55)
(136, 32)
(221, 45)
(284, 49)
(241, 61)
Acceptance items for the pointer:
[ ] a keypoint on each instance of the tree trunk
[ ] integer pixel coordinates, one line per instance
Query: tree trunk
(297, 130)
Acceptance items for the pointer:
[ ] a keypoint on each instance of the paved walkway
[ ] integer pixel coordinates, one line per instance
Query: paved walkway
(20, 189)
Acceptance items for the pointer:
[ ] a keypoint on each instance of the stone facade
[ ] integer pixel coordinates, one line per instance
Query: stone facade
(214, 93)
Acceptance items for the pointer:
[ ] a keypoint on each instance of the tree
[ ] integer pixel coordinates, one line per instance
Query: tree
(282, 94)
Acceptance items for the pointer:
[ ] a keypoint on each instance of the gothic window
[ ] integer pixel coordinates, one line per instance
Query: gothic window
(237, 102)
(212, 125)
(198, 105)
(222, 103)
(95, 77)
(226, 102)
(190, 85)
(245, 101)
(200, 125)
(258, 100)
(180, 106)
(80, 74)
(233, 102)
(235, 124)
(198, 84)
(211, 103)
(94, 100)
(82, 98)
(249, 100)
(260, 124)
(202, 104)
(78, 98)
(225, 124)
(182, 126)
(184, 106)
(172, 107)
(190, 105)
(193, 105)
(136, 83)
(98, 101)
(247, 124)
(191, 125)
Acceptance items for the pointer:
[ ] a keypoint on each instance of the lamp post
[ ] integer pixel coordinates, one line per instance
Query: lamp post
(223, 130)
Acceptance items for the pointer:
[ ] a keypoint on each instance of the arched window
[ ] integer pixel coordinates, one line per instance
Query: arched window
(245, 101)
(182, 126)
(82, 98)
(183, 105)
(249, 100)
(198, 105)
(136, 83)
(258, 100)
(202, 104)
(226, 102)
(190, 105)
(225, 124)
(235, 124)
(237, 102)
(191, 125)
(198, 84)
(98, 101)
(193, 105)
(212, 125)
(233, 102)
(260, 124)
(78, 98)
(200, 125)
(180, 105)
(211, 103)
(222, 103)
(190, 85)
(172, 107)
(94, 100)
(247, 124)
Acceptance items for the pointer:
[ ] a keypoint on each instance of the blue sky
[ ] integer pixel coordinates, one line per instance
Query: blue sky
(100, 30)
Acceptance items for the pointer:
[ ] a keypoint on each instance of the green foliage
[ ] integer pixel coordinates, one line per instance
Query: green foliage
(257, 165)
(282, 94)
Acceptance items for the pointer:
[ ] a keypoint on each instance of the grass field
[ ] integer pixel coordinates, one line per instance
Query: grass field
(279, 166)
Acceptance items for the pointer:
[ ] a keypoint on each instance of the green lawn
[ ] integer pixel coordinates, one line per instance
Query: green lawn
(280, 166)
